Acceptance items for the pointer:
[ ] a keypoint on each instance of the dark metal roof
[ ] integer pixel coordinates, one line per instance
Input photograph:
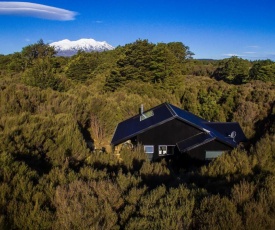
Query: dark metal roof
(227, 128)
(194, 141)
(165, 112)
(134, 125)
(187, 116)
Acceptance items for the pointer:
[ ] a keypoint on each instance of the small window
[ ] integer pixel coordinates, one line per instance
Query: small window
(146, 115)
(209, 155)
(162, 149)
(166, 150)
(149, 150)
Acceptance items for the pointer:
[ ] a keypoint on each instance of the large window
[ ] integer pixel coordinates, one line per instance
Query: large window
(166, 150)
(209, 155)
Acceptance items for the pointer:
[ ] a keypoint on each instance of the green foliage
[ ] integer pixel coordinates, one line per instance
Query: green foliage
(162, 209)
(133, 64)
(16, 64)
(233, 70)
(37, 51)
(267, 73)
(39, 66)
(57, 169)
(22, 203)
(4, 60)
(217, 212)
(180, 51)
(264, 153)
(42, 140)
(199, 67)
(263, 70)
(81, 205)
(210, 108)
(41, 75)
(237, 164)
(163, 63)
(145, 62)
(81, 66)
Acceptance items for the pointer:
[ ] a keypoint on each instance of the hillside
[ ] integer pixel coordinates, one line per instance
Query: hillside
(57, 113)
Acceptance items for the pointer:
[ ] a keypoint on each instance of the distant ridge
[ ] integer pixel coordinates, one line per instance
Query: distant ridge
(69, 48)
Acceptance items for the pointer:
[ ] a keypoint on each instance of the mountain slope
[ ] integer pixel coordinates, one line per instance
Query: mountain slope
(68, 48)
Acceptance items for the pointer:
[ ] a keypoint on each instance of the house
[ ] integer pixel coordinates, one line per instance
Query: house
(167, 130)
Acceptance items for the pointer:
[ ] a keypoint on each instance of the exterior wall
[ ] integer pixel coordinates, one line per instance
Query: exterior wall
(168, 133)
(199, 152)
(173, 131)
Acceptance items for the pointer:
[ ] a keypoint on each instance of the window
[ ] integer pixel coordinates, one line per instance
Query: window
(162, 149)
(146, 115)
(209, 155)
(166, 150)
(149, 150)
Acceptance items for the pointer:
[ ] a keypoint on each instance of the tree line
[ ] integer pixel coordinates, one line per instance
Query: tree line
(57, 112)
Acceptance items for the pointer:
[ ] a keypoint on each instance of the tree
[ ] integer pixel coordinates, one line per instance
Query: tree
(41, 75)
(4, 62)
(39, 66)
(180, 51)
(163, 64)
(233, 70)
(16, 63)
(81, 66)
(146, 62)
(36, 51)
(133, 64)
(263, 70)
(87, 205)
(217, 213)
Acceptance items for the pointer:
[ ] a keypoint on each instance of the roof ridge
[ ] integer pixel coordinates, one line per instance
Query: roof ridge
(221, 122)
(168, 105)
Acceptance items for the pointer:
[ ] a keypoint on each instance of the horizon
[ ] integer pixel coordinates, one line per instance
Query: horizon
(212, 30)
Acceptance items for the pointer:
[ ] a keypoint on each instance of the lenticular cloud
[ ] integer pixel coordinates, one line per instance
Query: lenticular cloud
(36, 10)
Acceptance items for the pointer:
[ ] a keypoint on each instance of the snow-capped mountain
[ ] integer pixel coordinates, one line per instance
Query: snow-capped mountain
(69, 48)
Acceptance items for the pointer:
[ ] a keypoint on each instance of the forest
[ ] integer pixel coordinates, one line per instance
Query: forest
(58, 115)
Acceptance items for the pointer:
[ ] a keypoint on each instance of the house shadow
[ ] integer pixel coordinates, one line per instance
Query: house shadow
(87, 137)
(184, 163)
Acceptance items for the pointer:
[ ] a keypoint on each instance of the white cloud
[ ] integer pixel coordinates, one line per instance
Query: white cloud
(231, 55)
(250, 52)
(36, 10)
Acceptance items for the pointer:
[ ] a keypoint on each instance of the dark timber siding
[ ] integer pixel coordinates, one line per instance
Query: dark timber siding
(199, 152)
(168, 133)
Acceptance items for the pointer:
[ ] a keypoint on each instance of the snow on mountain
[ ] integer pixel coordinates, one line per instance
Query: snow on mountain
(69, 48)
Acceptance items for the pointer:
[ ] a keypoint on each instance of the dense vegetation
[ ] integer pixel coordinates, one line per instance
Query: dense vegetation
(56, 113)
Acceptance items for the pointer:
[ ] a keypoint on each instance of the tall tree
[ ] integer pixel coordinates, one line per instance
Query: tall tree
(39, 66)
(233, 70)
(147, 62)
(133, 64)
(36, 51)
(180, 51)
(263, 70)
(163, 64)
(82, 65)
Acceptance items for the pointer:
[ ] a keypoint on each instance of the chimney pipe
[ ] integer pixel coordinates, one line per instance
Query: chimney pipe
(141, 109)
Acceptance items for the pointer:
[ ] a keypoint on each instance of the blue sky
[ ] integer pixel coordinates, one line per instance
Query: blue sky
(212, 29)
